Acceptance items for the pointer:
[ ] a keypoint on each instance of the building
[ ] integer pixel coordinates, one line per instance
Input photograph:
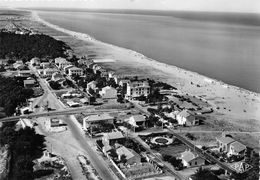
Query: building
(66, 68)
(136, 88)
(49, 72)
(45, 65)
(62, 62)
(108, 93)
(189, 159)
(75, 71)
(29, 83)
(57, 77)
(25, 73)
(72, 104)
(130, 155)
(25, 123)
(97, 118)
(18, 64)
(187, 118)
(223, 143)
(136, 121)
(236, 148)
(103, 73)
(111, 137)
(54, 124)
(35, 61)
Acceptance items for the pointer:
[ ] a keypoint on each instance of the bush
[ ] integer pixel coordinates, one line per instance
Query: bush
(42, 172)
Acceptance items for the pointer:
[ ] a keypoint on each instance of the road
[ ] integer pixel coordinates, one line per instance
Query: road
(69, 111)
(76, 131)
(202, 152)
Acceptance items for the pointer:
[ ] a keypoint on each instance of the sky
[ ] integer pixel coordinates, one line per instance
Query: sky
(187, 5)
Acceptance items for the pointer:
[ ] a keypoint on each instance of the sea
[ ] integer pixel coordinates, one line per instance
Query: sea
(223, 46)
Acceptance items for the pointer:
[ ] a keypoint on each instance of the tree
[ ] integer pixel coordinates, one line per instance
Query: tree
(123, 158)
(204, 174)
(113, 153)
(54, 85)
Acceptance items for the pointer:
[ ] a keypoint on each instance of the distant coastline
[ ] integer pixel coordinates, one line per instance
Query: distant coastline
(84, 36)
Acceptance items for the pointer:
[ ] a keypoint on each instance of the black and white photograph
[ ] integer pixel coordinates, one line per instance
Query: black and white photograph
(129, 89)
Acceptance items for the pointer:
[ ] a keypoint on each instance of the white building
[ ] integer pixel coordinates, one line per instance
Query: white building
(45, 65)
(75, 71)
(92, 119)
(186, 118)
(108, 93)
(62, 62)
(189, 159)
(136, 88)
(35, 61)
(48, 72)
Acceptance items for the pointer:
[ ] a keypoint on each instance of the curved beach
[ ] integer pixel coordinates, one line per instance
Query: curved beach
(232, 102)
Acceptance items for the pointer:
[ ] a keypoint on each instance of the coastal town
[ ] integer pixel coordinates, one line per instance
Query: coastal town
(88, 121)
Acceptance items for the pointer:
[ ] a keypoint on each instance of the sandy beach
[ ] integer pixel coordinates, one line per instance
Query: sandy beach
(241, 102)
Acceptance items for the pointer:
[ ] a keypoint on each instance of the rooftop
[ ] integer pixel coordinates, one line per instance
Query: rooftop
(138, 118)
(125, 151)
(114, 135)
(238, 146)
(225, 140)
(187, 156)
(98, 117)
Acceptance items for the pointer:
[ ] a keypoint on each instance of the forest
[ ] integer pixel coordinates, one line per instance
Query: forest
(25, 47)
(12, 94)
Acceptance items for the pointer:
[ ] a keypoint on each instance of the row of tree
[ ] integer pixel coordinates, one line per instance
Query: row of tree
(24, 146)
(24, 47)
(12, 94)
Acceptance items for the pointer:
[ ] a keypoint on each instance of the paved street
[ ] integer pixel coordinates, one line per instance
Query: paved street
(98, 163)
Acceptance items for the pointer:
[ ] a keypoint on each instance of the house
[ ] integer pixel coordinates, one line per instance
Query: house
(95, 68)
(187, 118)
(223, 143)
(54, 124)
(136, 121)
(35, 61)
(236, 148)
(103, 73)
(72, 104)
(136, 88)
(25, 123)
(92, 119)
(45, 65)
(62, 62)
(66, 68)
(189, 159)
(75, 71)
(29, 83)
(112, 137)
(25, 73)
(85, 100)
(49, 72)
(85, 62)
(57, 77)
(108, 93)
(130, 155)
(18, 64)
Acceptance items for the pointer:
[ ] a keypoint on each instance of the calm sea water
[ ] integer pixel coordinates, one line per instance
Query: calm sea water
(225, 47)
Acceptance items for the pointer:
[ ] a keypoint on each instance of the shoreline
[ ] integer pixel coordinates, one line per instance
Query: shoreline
(84, 36)
(233, 95)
